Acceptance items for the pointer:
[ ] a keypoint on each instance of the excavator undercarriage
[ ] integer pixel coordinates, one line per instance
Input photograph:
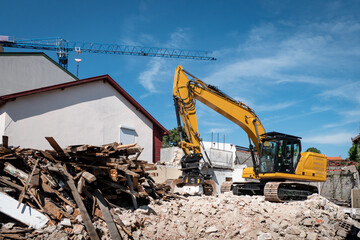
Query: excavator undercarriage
(281, 191)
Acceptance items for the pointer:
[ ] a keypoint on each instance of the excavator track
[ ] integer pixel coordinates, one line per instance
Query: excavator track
(287, 191)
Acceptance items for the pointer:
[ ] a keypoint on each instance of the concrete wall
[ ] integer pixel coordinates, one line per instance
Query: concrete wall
(91, 113)
(243, 158)
(21, 72)
(171, 155)
(339, 183)
(220, 154)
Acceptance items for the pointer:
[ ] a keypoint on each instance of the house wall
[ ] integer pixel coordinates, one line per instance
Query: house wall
(157, 143)
(21, 72)
(90, 113)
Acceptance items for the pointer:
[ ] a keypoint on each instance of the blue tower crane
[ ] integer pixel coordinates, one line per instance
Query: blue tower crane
(63, 47)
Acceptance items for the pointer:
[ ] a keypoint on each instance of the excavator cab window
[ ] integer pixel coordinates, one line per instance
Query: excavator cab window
(279, 153)
(288, 155)
(268, 156)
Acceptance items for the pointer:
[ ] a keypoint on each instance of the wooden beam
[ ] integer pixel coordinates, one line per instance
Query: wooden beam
(56, 146)
(5, 141)
(85, 215)
(114, 233)
(27, 183)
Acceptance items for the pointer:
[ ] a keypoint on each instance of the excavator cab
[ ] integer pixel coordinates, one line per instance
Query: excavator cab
(279, 153)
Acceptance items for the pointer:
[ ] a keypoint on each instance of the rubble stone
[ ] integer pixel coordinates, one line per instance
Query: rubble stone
(78, 228)
(312, 236)
(264, 236)
(211, 229)
(293, 230)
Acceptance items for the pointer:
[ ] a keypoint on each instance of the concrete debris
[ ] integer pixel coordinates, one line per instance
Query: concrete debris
(239, 217)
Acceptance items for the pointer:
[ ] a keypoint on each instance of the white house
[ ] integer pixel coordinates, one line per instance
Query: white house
(21, 71)
(91, 111)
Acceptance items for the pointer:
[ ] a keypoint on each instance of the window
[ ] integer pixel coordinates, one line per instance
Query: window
(268, 150)
(127, 135)
(288, 156)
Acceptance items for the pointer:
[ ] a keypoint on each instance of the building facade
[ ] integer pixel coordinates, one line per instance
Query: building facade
(92, 111)
(25, 71)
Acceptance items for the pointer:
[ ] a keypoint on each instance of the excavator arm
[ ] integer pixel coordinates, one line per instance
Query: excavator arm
(279, 156)
(186, 91)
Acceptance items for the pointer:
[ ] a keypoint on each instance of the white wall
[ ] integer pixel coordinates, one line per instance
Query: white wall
(221, 155)
(90, 113)
(26, 72)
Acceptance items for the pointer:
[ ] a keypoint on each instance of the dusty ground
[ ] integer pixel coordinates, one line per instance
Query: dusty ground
(223, 217)
(237, 217)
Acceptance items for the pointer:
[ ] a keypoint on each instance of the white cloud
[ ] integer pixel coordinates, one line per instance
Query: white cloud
(312, 111)
(179, 38)
(334, 139)
(347, 117)
(149, 76)
(220, 130)
(299, 54)
(348, 91)
(157, 70)
(275, 107)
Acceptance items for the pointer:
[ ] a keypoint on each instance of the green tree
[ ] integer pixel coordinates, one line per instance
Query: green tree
(353, 153)
(173, 138)
(313, 149)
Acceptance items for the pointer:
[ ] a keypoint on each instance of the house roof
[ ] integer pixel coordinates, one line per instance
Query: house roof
(334, 159)
(356, 139)
(38, 54)
(105, 78)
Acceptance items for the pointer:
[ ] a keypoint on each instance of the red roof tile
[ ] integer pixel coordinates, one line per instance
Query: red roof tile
(335, 159)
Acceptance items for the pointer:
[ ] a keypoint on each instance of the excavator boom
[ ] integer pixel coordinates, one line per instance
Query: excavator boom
(277, 158)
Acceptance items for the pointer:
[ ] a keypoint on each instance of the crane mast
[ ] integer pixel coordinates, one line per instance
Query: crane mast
(63, 47)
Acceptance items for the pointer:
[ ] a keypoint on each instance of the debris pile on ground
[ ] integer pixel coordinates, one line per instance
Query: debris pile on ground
(71, 190)
(104, 192)
(239, 217)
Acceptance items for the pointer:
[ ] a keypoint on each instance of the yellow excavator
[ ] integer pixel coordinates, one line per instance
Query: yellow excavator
(280, 170)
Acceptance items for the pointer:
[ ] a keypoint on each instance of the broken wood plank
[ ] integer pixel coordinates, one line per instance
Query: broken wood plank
(130, 184)
(27, 183)
(13, 171)
(53, 210)
(5, 141)
(85, 215)
(9, 183)
(49, 156)
(88, 177)
(11, 236)
(35, 180)
(56, 146)
(81, 184)
(114, 233)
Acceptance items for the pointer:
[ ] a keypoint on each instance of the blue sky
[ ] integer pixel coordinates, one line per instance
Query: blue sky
(296, 63)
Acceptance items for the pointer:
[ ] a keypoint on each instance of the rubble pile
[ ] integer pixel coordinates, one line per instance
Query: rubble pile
(104, 192)
(239, 217)
(71, 192)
